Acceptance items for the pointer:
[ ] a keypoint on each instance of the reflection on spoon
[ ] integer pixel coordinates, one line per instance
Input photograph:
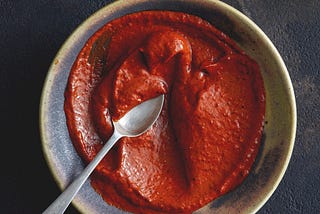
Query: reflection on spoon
(134, 123)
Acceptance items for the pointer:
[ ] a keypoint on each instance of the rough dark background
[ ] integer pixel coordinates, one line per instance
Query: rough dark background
(31, 33)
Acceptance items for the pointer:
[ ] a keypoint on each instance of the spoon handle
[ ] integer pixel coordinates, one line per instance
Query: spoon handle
(63, 201)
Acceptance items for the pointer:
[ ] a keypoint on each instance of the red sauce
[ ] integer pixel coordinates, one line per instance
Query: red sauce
(208, 134)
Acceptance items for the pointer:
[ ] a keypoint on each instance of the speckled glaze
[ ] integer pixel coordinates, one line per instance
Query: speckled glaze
(280, 121)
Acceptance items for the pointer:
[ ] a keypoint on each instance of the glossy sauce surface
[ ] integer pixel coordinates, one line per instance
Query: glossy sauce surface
(208, 134)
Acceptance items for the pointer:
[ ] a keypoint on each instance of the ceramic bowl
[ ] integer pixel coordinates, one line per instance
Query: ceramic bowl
(280, 120)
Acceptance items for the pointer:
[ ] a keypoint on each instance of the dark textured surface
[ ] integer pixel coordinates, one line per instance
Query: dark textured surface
(32, 33)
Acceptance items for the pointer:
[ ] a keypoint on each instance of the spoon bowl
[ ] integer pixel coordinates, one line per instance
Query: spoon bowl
(134, 123)
(140, 118)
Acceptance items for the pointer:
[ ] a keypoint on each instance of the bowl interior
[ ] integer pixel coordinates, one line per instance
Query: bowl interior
(280, 121)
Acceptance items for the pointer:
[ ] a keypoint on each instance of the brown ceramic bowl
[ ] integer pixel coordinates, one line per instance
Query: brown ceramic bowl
(280, 121)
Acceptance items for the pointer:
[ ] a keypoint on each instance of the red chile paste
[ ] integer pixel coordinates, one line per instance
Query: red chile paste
(208, 134)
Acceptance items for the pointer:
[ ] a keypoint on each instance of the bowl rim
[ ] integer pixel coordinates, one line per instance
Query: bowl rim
(114, 6)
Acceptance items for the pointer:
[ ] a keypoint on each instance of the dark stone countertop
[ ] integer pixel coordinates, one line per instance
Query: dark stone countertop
(32, 32)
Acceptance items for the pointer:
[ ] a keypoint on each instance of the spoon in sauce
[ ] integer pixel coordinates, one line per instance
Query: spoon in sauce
(134, 123)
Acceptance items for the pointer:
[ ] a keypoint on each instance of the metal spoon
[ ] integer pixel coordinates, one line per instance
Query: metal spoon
(134, 123)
